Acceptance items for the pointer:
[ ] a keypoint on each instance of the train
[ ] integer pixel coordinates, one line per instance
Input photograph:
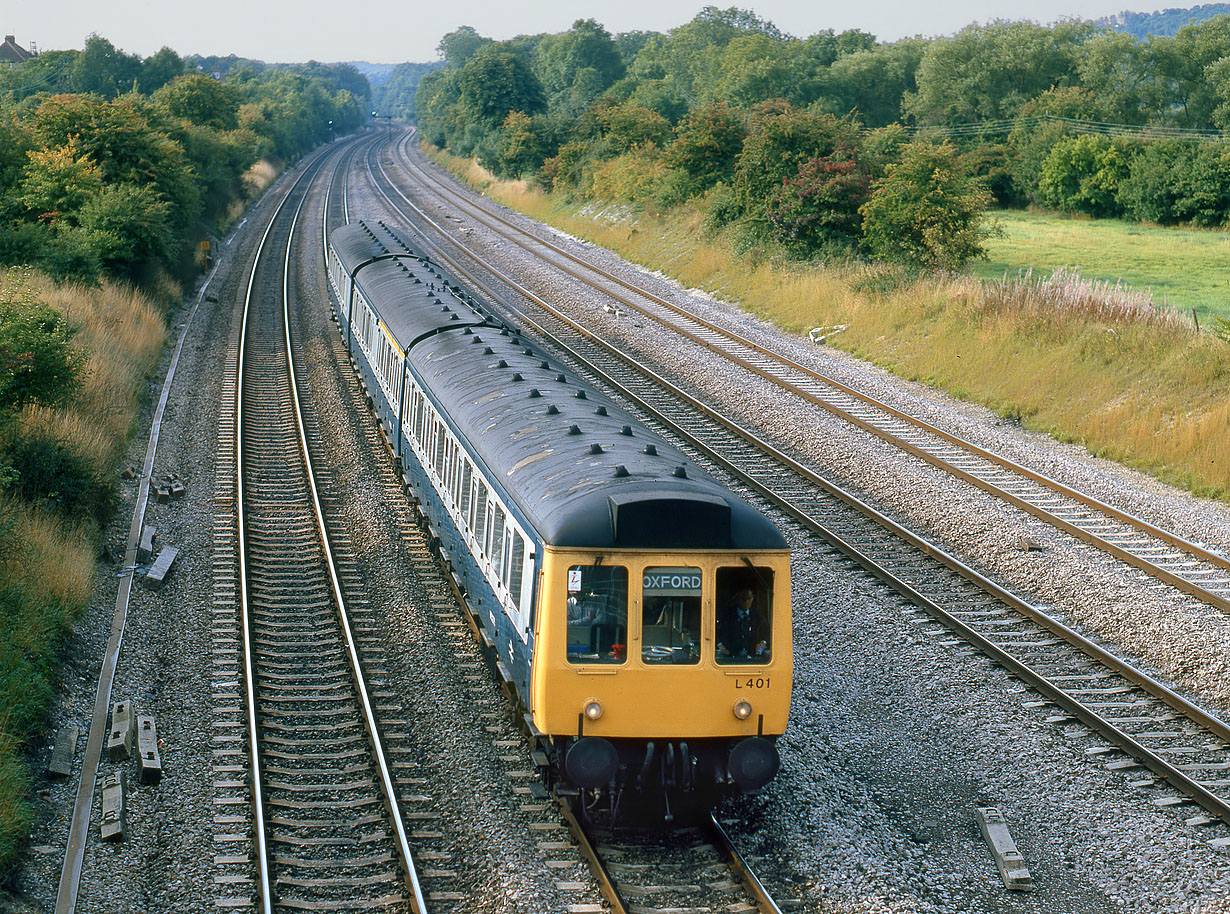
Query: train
(638, 610)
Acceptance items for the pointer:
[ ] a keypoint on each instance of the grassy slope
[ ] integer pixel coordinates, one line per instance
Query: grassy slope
(47, 561)
(1157, 399)
(1184, 267)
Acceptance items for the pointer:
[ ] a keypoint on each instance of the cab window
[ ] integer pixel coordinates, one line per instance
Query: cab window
(597, 614)
(670, 619)
(744, 615)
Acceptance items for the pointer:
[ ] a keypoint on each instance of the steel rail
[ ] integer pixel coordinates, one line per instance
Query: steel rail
(727, 848)
(606, 885)
(258, 804)
(1184, 545)
(356, 668)
(1212, 802)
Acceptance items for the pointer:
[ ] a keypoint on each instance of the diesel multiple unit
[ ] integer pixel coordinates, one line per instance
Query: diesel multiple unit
(639, 609)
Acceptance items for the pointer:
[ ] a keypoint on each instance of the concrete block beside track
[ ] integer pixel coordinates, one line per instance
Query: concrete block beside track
(145, 549)
(63, 751)
(1008, 859)
(157, 574)
(114, 816)
(147, 750)
(119, 739)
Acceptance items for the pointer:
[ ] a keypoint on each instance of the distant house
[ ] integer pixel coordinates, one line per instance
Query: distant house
(12, 53)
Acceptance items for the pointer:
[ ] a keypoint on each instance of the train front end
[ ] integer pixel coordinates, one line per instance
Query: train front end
(663, 676)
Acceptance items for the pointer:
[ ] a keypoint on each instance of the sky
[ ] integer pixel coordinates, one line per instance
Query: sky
(394, 31)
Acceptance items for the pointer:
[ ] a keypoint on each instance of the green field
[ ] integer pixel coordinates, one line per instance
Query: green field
(1185, 268)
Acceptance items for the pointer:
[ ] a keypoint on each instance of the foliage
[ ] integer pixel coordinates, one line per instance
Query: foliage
(818, 208)
(707, 145)
(493, 83)
(778, 144)
(1175, 182)
(986, 72)
(201, 100)
(1082, 174)
(37, 361)
(926, 211)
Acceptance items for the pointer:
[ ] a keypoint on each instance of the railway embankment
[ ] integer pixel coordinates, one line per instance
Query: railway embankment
(1091, 364)
(61, 455)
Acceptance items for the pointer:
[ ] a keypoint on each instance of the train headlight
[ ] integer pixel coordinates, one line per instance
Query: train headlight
(593, 710)
(742, 709)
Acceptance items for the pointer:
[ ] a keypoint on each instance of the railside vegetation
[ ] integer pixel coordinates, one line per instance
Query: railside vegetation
(1088, 362)
(112, 169)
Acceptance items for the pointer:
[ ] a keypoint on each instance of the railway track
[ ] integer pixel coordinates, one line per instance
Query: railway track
(327, 823)
(1192, 568)
(1147, 727)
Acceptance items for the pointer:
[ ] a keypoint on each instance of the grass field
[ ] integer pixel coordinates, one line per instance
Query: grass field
(1185, 268)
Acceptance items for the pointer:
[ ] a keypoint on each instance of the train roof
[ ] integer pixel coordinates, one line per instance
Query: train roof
(583, 471)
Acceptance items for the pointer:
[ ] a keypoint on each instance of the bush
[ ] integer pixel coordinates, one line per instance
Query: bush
(1082, 174)
(818, 209)
(37, 361)
(926, 211)
(1174, 182)
(48, 473)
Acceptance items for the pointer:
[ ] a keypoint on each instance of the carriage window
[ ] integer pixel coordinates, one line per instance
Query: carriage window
(597, 613)
(518, 567)
(495, 550)
(744, 615)
(467, 475)
(480, 516)
(670, 620)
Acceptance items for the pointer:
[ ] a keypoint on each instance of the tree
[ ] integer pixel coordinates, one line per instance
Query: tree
(926, 211)
(628, 126)
(585, 57)
(159, 70)
(494, 83)
(779, 143)
(103, 69)
(986, 72)
(525, 142)
(129, 228)
(58, 182)
(818, 208)
(872, 83)
(1082, 174)
(202, 100)
(707, 145)
(459, 46)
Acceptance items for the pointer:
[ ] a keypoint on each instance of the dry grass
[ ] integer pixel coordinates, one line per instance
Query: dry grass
(121, 332)
(46, 561)
(258, 177)
(1088, 362)
(63, 553)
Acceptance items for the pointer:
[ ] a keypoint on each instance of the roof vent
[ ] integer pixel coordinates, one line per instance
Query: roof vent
(504, 332)
(469, 331)
(621, 471)
(626, 430)
(544, 364)
(679, 473)
(552, 410)
(560, 378)
(651, 450)
(453, 317)
(600, 411)
(529, 351)
(534, 393)
(574, 429)
(488, 351)
(502, 364)
(477, 339)
(595, 448)
(517, 377)
(580, 395)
